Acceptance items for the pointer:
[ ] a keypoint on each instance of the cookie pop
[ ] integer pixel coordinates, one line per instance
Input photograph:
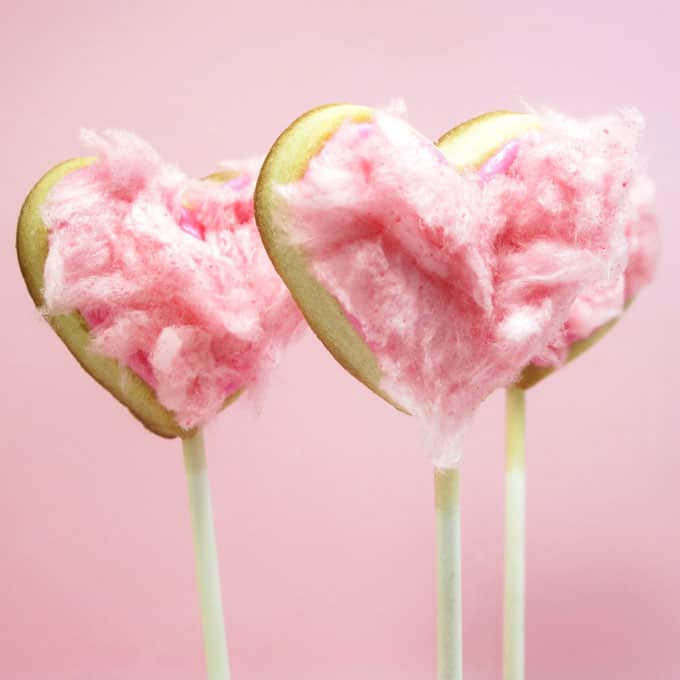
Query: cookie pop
(160, 288)
(435, 273)
(593, 314)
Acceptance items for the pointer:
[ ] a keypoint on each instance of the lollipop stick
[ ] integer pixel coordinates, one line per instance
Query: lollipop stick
(205, 549)
(449, 595)
(515, 537)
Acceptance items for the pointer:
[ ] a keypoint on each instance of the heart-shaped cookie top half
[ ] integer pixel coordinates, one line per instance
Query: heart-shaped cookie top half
(157, 283)
(435, 273)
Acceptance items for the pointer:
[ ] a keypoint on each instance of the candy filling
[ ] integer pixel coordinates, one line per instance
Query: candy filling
(457, 281)
(169, 274)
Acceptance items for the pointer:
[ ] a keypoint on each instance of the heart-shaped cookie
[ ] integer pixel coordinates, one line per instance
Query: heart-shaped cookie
(435, 273)
(157, 283)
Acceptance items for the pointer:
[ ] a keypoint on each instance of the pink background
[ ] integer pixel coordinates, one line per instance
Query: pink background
(323, 500)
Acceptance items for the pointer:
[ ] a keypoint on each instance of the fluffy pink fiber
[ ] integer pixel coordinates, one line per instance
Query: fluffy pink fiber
(458, 281)
(605, 300)
(169, 273)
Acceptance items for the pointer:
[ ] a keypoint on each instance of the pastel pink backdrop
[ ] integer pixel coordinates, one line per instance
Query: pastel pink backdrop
(323, 501)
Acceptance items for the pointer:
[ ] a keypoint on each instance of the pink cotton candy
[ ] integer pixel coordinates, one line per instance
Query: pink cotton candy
(642, 233)
(169, 273)
(605, 300)
(456, 281)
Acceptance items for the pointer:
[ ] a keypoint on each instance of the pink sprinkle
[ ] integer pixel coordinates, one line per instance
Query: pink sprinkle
(189, 223)
(364, 129)
(93, 317)
(500, 162)
(139, 364)
(238, 183)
